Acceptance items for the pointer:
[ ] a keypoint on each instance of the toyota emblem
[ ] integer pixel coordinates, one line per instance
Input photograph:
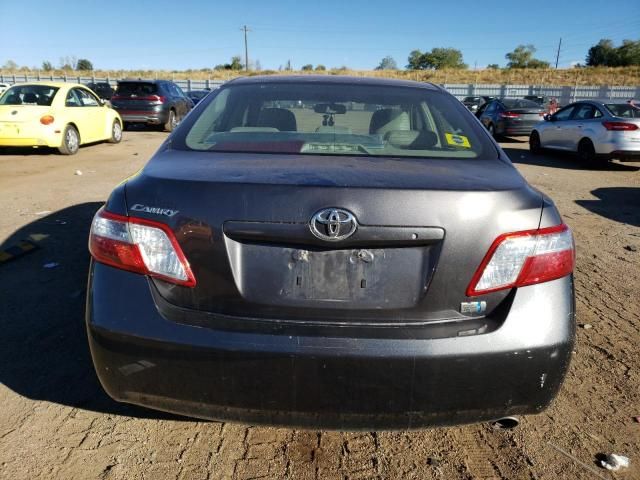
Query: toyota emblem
(333, 224)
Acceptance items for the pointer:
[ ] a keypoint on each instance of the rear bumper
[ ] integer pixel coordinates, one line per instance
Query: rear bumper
(137, 116)
(327, 382)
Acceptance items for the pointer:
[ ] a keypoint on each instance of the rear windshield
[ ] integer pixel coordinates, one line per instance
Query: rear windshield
(29, 95)
(338, 119)
(623, 110)
(471, 99)
(519, 103)
(139, 89)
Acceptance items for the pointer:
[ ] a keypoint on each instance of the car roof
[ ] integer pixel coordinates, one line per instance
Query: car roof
(138, 80)
(333, 79)
(50, 84)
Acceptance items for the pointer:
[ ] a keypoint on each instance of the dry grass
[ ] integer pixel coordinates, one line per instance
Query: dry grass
(576, 76)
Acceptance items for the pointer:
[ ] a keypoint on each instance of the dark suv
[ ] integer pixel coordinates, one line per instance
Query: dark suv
(153, 102)
(102, 89)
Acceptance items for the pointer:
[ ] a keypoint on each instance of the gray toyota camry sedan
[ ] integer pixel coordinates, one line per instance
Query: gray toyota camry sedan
(331, 252)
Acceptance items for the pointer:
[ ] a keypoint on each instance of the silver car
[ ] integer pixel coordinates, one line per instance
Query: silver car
(594, 130)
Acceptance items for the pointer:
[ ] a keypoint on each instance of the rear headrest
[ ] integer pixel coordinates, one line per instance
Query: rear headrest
(412, 139)
(387, 119)
(280, 118)
(30, 98)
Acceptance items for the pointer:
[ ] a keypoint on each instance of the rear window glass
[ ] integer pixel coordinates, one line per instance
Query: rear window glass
(137, 88)
(338, 119)
(519, 103)
(623, 110)
(29, 95)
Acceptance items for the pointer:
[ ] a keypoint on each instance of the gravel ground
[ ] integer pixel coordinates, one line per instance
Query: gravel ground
(56, 422)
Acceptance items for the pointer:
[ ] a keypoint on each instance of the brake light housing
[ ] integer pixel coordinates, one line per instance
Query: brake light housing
(524, 258)
(620, 126)
(139, 245)
(509, 115)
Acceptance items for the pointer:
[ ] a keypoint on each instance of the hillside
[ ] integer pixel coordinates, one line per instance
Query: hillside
(576, 76)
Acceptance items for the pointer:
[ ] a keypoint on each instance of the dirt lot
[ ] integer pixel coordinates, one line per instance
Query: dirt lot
(56, 422)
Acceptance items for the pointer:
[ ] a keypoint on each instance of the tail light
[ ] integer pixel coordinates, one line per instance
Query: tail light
(47, 119)
(525, 258)
(116, 97)
(620, 126)
(509, 115)
(140, 246)
(153, 98)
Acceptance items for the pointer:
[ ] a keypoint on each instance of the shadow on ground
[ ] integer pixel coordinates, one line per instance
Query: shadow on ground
(44, 353)
(564, 161)
(621, 204)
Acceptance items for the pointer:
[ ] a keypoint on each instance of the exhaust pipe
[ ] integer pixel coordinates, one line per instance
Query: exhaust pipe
(505, 423)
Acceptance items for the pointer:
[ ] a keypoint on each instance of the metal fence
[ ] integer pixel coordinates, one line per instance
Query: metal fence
(564, 95)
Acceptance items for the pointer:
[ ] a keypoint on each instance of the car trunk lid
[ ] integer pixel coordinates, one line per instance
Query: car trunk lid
(243, 221)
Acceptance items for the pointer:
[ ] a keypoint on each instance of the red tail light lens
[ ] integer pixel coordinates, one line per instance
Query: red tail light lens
(47, 119)
(620, 126)
(140, 246)
(525, 258)
(509, 115)
(153, 98)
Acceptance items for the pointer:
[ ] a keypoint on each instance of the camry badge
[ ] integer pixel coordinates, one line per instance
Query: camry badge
(157, 210)
(333, 224)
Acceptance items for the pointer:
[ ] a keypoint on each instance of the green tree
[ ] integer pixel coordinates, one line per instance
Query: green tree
(436, 59)
(415, 60)
(493, 66)
(307, 67)
(522, 57)
(629, 53)
(320, 68)
(236, 63)
(84, 65)
(47, 66)
(387, 63)
(602, 53)
(10, 65)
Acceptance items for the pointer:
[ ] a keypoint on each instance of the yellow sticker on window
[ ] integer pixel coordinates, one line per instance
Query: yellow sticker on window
(457, 140)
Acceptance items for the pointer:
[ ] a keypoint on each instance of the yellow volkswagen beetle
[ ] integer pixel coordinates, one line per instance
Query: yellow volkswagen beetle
(59, 115)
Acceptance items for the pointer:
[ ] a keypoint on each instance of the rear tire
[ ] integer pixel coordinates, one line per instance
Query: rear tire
(534, 143)
(70, 141)
(492, 130)
(172, 121)
(116, 132)
(586, 151)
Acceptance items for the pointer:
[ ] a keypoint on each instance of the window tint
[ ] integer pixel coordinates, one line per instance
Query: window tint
(564, 114)
(29, 95)
(338, 119)
(519, 103)
(623, 110)
(138, 89)
(584, 112)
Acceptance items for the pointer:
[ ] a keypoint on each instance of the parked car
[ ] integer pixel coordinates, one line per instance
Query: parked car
(474, 103)
(197, 95)
(544, 101)
(594, 130)
(103, 89)
(152, 102)
(59, 115)
(330, 267)
(511, 116)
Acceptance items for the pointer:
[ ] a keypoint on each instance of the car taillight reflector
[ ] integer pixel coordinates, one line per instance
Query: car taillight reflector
(140, 246)
(620, 126)
(47, 119)
(525, 258)
(509, 115)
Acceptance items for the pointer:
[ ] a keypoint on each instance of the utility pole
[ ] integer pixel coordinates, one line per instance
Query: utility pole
(245, 29)
(558, 54)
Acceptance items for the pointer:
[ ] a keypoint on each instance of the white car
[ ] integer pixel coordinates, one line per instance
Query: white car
(594, 130)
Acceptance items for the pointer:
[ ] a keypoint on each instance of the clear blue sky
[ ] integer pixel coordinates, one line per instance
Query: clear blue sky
(178, 35)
